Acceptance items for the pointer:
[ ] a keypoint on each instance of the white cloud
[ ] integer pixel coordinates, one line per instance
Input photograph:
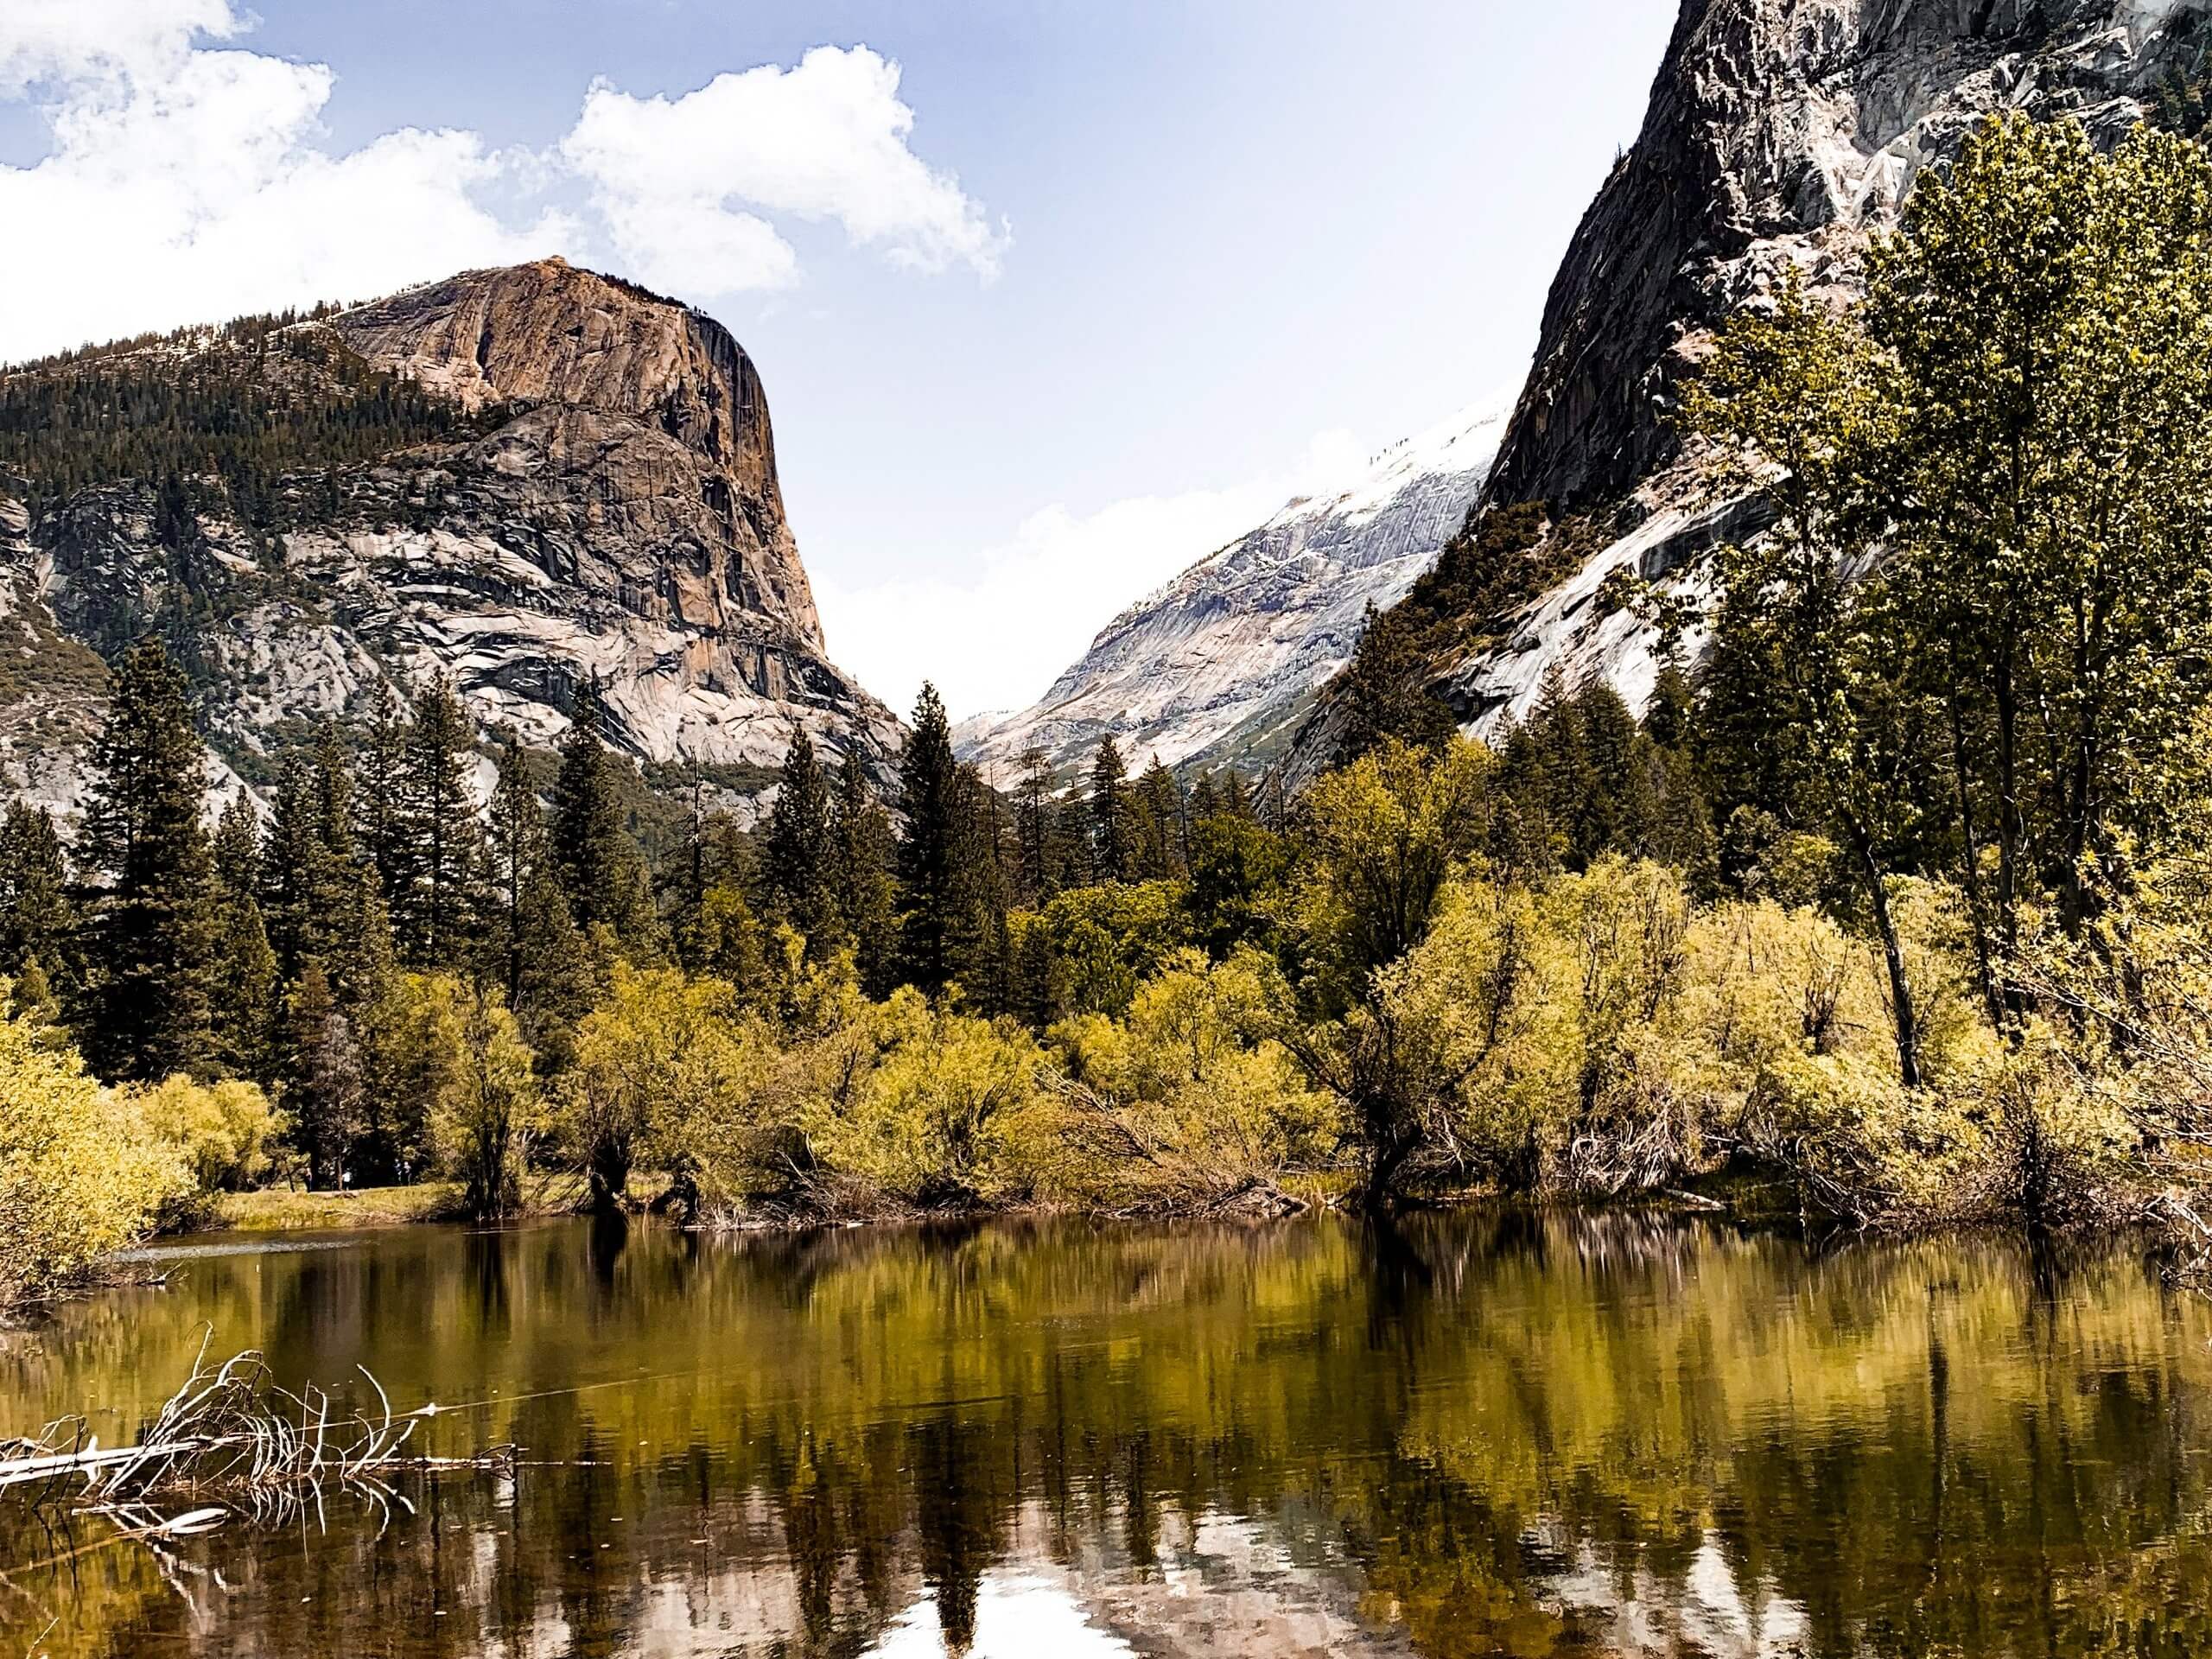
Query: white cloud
(677, 179)
(185, 183)
(1036, 601)
(68, 40)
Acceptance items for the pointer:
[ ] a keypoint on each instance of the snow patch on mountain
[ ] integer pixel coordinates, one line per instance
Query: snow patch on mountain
(1218, 666)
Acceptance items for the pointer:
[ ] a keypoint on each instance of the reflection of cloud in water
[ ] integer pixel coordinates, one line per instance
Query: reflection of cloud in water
(1708, 1613)
(1017, 1616)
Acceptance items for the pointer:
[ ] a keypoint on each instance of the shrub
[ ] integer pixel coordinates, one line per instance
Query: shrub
(80, 1175)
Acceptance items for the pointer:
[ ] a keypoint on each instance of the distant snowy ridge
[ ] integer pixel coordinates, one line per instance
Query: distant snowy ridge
(1219, 665)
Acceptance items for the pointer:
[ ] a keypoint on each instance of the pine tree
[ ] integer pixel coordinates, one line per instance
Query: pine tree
(602, 873)
(717, 933)
(515, 844)
(1383, 691)
(437, 920)
(288, 860)
(861, 849)
(984, 964)
(797, 852)
(933, 929)
(388, 833)
(243, 994)
(1112, 833)
(143, 835)
(1162, 836)
(324, 1090)
(38, 912)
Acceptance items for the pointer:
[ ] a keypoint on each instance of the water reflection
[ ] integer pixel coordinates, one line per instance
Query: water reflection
(1454, 1436)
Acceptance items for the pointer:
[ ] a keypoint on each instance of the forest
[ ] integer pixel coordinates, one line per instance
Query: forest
(1888, 910)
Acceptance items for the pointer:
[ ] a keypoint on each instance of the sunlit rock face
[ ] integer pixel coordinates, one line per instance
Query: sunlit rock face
(614, 515)
(1219, 666)
(1780, 133)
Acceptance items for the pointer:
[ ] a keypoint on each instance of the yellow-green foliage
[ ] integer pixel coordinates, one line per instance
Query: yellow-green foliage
(1600, 1032)
(80, 1174)
(486, 1113)
(924, 1105)
(1181, 1104)
(676, 1068)
(225, 1133)
(1094, 946)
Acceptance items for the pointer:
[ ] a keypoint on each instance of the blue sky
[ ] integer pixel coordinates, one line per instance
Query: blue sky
(1050, 299)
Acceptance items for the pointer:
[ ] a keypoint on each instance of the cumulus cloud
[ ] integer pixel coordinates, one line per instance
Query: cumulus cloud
(65, 40)
(189, 181)
(184, 184)
(1037, 598)
(682, 183)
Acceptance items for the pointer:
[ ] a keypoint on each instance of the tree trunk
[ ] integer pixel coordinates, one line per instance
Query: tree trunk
(1907, 1025)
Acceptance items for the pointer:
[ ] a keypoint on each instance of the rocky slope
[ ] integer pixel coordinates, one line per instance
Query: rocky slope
(1220, 666)
(1779, 132)
(609, 509)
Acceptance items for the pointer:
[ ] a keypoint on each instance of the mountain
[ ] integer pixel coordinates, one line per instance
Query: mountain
(1221, 664)
(1779, 133)
(530, 478)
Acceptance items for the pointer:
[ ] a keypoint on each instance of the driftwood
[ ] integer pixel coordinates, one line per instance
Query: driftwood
(229, 1442)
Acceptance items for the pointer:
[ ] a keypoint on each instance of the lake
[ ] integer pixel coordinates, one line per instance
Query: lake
(1463, 1434)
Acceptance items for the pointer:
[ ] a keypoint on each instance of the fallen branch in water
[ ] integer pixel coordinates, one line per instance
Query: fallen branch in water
(230, 1433)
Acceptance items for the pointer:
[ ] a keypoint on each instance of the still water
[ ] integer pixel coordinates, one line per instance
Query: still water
(1465, 1435)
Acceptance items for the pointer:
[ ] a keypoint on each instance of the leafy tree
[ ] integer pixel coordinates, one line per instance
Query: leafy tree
(152, 919)
(488, 1113)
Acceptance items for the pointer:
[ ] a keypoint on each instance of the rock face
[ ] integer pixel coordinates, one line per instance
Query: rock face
(1779, 133)
(1220, 666)
(611, 512)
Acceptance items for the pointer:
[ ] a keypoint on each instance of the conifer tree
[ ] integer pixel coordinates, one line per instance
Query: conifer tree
(143, 835)
(1161, 833)
(324, 1089)
(715, 931)
(1112, 833)
(286, 868)
(797, 853)
(243, 996)
(601, 873)
(1041, 868)
(536, 948)
(862, 848)
(933, 929)
(38, 912)
(1383, 691)
(984, 964)
(435, 920)
(388, 834)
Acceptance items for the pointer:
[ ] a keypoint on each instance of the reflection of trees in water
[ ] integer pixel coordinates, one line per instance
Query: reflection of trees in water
(1912, 1446)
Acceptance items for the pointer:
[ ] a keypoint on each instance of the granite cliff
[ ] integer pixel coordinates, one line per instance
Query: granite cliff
(581, 488)
(1220, 666)
(1779, 133)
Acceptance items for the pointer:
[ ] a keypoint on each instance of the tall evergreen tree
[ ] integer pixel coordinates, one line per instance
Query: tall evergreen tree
(38, 911)
(437, 916)
(1383, 691)
(862, 847)
(797, 853)
(243, 995)
(1043, 859)
(388, 833)
(602, 873)
(144, 838)
(933, 927)
(324, 1092)
(1162, 836)
(1113, 833)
